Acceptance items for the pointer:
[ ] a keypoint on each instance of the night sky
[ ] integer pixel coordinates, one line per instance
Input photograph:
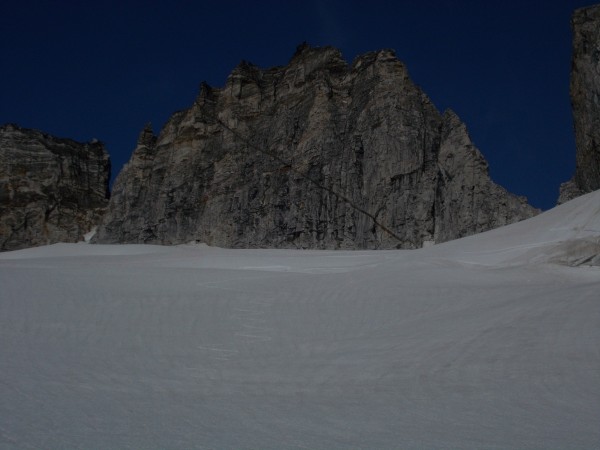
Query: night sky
(102, 70)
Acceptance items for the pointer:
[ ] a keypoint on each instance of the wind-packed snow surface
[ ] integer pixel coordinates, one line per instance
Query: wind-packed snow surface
(488, 342)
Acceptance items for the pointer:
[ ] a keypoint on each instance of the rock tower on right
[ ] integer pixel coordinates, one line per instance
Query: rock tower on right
(585, 101)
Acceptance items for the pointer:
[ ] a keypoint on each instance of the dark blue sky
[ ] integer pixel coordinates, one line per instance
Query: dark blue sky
(102, 70)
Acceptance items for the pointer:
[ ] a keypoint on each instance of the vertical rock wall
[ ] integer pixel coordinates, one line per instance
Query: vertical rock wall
(585, 100)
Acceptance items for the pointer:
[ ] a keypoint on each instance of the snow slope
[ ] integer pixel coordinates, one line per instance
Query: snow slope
(489, 342)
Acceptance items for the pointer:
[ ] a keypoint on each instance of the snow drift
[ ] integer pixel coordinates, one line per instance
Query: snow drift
(485, 342)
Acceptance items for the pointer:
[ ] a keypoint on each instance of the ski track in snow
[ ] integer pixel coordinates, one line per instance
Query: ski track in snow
(479, 343)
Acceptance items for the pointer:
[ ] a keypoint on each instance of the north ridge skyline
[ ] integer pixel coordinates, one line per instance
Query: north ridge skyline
(85, 71)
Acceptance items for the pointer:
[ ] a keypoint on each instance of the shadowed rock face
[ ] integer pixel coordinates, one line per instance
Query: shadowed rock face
(316, 154)
(585, 100)
(51, 189)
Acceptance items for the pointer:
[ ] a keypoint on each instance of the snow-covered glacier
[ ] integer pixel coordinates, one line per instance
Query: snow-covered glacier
(486, 342)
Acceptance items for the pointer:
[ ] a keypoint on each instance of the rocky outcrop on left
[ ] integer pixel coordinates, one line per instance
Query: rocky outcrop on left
(585, 100)
(51, 189)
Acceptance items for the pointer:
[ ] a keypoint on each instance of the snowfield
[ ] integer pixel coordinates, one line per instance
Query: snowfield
(488, 342)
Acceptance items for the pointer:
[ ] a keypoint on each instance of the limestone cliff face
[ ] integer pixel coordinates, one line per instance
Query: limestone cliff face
(585, 100)
(51, 189)
(316, 154)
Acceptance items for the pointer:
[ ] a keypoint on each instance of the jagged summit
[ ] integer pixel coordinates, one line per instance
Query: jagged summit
(314, 154)
(147, 137)
(326, 55)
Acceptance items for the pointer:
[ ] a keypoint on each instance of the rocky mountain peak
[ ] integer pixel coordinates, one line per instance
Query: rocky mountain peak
(309, 60)
(306, 53)
(245, 70)
(314, 154)
(147, 138)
